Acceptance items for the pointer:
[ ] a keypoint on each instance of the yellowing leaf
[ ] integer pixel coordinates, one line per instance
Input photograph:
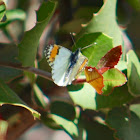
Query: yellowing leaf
(94, 78)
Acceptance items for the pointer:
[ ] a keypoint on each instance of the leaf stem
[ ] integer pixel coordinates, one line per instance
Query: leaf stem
(79, 81)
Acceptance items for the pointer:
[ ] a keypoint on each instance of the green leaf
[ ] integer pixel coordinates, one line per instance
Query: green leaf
(31, 76)
(67, 125)
(3, 129)
(99, 43)
(135, 108)
(121, 65)
(40, 98)
(81, 15)
(113, 78)
(13, 15)
(28, 45)
(135, 4)
(83, 96)
(72, 26)
(63, 109)
(7, 96)
(8, 74)
(94, 127)
(2, 10)
(42, 82)
(47, 120)
(126, 123)
(105, 21)
(133, 73)
(8, 54)
(86, 97)
(117, 98)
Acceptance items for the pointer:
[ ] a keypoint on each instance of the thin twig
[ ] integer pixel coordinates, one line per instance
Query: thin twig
(79, 81)
(39, 72)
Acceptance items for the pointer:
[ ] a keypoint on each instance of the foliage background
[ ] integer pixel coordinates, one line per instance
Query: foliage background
(81, 114)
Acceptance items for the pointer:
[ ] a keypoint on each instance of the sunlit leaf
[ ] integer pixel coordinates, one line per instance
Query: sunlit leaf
(135, 108)
(40, 98)
(94, 78)
(105, 21)
(94, 46)
(13, 15)
(113, 78)
(2, 10)
(83, 95)
(121, 65)
(3, 129)
(67, 125)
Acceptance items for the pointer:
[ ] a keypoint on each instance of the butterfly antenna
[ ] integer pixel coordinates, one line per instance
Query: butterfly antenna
(89, 45)
(71, 34)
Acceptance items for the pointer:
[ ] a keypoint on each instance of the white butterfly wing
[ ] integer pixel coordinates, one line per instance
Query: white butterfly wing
(59, 65)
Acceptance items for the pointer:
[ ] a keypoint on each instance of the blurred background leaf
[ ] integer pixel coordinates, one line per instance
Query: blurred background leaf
(28, 46)
(126, 123)
(133, 73)
(7, 96)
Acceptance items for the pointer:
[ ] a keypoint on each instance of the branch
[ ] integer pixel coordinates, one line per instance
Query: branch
(39, 72)
(79, 81)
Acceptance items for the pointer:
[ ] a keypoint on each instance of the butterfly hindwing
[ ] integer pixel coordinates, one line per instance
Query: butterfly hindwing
(78, 67)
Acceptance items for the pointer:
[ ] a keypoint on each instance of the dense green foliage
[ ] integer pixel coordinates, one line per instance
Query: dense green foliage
(77, 109)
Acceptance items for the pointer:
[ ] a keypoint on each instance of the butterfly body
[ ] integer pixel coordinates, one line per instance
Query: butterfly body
(66, 65)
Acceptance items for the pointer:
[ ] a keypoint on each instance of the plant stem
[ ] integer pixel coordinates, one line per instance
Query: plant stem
(39, 72)
(79, 81)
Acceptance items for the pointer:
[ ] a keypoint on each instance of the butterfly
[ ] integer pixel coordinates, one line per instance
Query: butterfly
(65, 64)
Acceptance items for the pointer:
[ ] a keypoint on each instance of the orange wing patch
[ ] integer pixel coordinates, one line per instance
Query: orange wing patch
(82, 65)
(94, 78)
(53, 53)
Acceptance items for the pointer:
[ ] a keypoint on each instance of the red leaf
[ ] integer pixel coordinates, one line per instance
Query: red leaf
(102, 70)
(79, 81)
(94, 78)
(111, 58)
